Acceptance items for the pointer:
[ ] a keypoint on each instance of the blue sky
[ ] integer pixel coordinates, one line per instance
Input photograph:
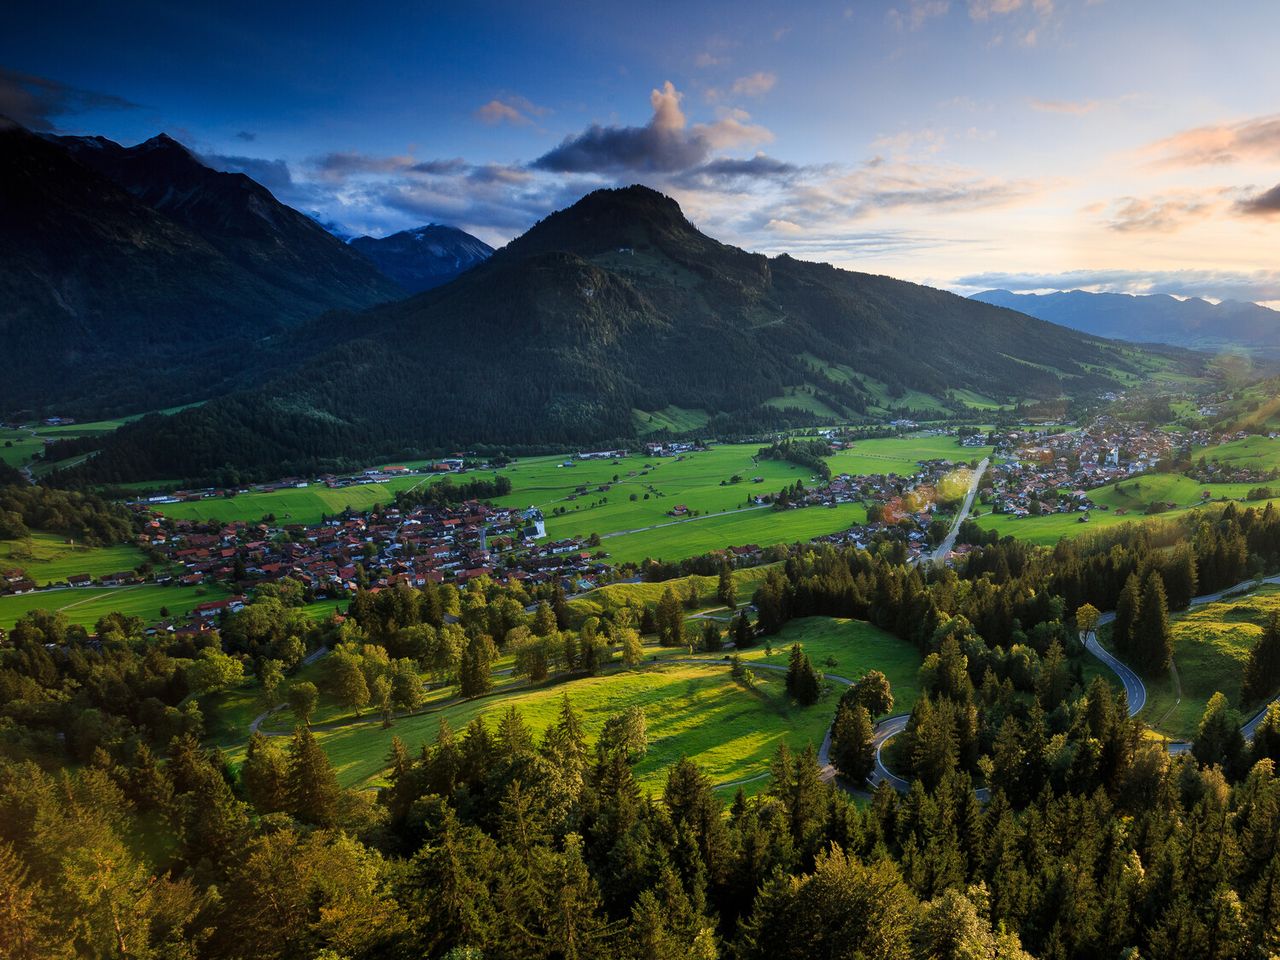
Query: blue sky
(1110, 144)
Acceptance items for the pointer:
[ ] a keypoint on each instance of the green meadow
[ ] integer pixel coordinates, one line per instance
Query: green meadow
(85, 605)
(48, 558)
(1211, 645)
(304, 505)
(730, 728)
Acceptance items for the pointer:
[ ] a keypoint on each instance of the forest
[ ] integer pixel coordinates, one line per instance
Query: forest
(1040, 821)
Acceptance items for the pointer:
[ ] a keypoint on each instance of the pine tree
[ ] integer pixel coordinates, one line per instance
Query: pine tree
(795, 666)
(303, 697)
(632, 647)
(852, 742)
(726, 588)
(1127, 610)
(1262, 670)
(265, 774)
(312, 789)
(1150, 639)
(711, 641)
(475, 676)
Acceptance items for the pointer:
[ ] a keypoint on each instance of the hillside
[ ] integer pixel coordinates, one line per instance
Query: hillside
(614, 305)
(1193, 323)
(425, 257)
(135, 278)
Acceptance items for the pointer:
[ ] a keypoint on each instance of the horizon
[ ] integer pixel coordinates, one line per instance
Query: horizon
(1059, 158)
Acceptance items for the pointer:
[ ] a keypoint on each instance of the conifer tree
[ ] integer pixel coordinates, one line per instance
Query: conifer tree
(265, 774)
(1127, 610)
(852, 742)
(1262, 669)
(1150, 639)
(312, 789)
(726, 588)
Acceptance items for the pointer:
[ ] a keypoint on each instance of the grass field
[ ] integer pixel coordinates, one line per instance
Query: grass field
(700, 712)
(847, 648)
(692, 710)
(1210, 647)
(617, 594)
(47, 558)
(900, 455)
(675, 419)
(305, 505)
(85, 606)
(1131, 495)
(1257, 453)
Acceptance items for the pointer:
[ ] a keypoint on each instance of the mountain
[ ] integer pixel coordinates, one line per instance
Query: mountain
(1194, 323)
(136, 277)
(599, 315)
(424, 257)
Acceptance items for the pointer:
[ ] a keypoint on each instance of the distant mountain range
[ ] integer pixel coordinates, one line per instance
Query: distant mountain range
(612, 308)
(1194, 323)
(424, 257)
(133, 278)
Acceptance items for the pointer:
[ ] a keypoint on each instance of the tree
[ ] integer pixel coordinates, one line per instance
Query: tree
(871, 691)
(1218, 738)
(265, 774)
(303, 697)
(272, 676)
(632, 647)
(475, 676)
(743, 635)
(711, 639)
(380, 697)
(213, 670)
(1127, 611)
(406, 687)
(1087, 618)
(803, 683)
(544, 620)
(312, 792)
(1150, 639)
(531, 651)
(1262, 669)
(625, 732)
(670, 619)
(853, 750)
(348, 682)
(726, 588)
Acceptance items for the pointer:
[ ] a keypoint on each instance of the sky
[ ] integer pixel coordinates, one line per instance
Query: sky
(1121, 145)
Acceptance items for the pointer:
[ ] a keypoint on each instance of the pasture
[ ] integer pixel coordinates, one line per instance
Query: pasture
(304, 505)
(84, 606)
(48, 558)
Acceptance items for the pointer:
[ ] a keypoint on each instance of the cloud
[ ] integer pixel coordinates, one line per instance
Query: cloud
(1264, 204)
(986, 9)
(1164, 213)
(246, 136)
(38, 102)
(755, 85)
(665, 144)
(341, 166)
(1073, 107)
(917, 13)
(1256, 140)
(727, 174)
(272, 174)
(1214, 284)
(511, 109)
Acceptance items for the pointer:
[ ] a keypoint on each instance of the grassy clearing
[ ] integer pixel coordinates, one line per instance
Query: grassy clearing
(747, 580)
(48, 559)
(700, 712)
(1211, 645)
(1256, 453)
(847, 648)
(901, 455)
(672, 418)
(85, 606)
(306, 505)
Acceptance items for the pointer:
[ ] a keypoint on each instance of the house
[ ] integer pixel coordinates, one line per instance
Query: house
(79, 580)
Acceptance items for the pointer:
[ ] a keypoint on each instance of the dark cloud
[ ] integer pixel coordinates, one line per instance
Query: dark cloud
(37, 102)
(439, 168)
(728, 173)
(1266, 203)
(666, 144)
(272, 174)
(246, 136)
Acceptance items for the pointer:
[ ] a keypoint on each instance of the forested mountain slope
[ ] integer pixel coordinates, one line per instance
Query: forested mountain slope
(613, 305)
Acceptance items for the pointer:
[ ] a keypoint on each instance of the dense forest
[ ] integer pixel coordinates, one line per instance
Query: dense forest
(83, 516)
(1041, 822)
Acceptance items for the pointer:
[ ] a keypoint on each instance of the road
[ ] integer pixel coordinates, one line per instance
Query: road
(940, 555)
